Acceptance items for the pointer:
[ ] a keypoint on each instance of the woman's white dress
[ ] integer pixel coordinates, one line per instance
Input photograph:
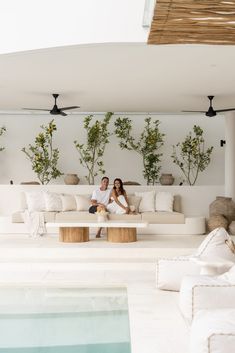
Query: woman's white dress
(113, 207)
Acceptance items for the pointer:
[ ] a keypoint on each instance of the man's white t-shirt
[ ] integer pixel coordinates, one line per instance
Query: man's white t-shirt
(101, 196)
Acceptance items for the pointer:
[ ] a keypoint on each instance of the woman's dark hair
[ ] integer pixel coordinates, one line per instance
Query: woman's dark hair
(121, 186)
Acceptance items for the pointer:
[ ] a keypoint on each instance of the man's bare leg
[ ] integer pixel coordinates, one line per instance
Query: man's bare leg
(98, 233)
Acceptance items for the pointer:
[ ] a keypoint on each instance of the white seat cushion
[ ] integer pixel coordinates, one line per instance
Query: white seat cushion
(213, 331)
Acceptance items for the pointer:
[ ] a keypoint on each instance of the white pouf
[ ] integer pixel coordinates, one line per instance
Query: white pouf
(213, 331)
(170, 272)
(196, 293)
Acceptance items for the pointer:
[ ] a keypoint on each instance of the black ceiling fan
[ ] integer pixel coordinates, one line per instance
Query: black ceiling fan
(55, 110)
(210, 112)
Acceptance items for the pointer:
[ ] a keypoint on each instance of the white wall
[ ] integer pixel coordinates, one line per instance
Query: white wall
(22, 129)
(28, 25)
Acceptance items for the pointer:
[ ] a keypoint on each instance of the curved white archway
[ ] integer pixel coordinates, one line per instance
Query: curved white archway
(28, 25)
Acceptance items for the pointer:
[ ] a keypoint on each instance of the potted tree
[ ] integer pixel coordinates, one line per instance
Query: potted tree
(148, 145)
(92, 152)
(191, 156)
(43, 157)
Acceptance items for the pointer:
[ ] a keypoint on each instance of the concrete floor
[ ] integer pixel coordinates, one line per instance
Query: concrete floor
(156, 325)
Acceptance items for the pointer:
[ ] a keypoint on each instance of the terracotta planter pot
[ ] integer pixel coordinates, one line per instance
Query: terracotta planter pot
(166, 179)
(71, 179)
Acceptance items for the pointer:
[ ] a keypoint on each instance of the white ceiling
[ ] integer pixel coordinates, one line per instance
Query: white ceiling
(120, 78)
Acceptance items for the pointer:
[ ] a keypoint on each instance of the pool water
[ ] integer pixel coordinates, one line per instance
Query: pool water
(64, 320)
(90, 348)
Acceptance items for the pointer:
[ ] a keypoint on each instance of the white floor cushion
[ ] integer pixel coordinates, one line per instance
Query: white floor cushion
(203, 292)
(170, 272)
(213, 331)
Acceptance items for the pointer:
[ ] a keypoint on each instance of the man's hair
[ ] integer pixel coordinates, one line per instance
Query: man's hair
(105, 177)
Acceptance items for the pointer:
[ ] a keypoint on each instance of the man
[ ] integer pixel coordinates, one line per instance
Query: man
(100, 197)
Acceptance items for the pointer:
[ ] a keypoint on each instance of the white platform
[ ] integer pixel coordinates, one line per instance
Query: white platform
(19, 247)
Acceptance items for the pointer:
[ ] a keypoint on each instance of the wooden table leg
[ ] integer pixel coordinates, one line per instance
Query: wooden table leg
(122, 235)
(74, 234)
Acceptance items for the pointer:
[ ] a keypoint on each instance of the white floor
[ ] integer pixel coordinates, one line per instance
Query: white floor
(156, 324)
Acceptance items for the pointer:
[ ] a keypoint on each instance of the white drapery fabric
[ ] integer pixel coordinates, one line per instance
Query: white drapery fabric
(35, 223)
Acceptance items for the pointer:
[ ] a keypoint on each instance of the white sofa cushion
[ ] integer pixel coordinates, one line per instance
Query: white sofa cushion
(163, 217)
(73, 216)
(171, 271)
(213, 331)
(35, 201)
(52, 201)
(164, 201)
(147, 201)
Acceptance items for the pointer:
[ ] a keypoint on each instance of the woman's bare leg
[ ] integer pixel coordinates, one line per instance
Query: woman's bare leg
(98, 233)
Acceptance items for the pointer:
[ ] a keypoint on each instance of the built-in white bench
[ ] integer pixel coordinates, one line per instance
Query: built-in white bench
(191, 220)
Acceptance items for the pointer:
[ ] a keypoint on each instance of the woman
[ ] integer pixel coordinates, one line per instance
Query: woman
(118, 199)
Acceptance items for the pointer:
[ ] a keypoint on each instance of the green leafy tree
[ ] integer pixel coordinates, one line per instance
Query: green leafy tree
(2, 130)
(191, 156)
(148, 145)
(43, 156)
(92, 152)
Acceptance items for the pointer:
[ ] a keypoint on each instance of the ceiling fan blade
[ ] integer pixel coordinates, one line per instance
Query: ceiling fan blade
(63, 114)
(193, 111)
(72, 107)
(225, 110)
(45, 110)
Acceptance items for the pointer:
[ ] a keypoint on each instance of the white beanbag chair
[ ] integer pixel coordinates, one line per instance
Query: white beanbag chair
(207, 292)
(169, 272)
(213, 331)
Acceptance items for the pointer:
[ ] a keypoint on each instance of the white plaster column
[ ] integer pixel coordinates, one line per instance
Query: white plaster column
(230, 155)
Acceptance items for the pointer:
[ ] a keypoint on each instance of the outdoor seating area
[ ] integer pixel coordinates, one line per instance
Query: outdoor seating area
(205, 297)
(117, 176)
(70, 204)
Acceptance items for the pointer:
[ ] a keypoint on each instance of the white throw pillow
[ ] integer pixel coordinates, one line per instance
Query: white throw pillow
(216, 244)
(134, 201)
(164, 201)
(83, 202)
(147, 201)
(35, 201)
(68, 202)
(52, 201)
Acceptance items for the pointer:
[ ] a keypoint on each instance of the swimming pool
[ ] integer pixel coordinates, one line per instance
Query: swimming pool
(64, 320)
